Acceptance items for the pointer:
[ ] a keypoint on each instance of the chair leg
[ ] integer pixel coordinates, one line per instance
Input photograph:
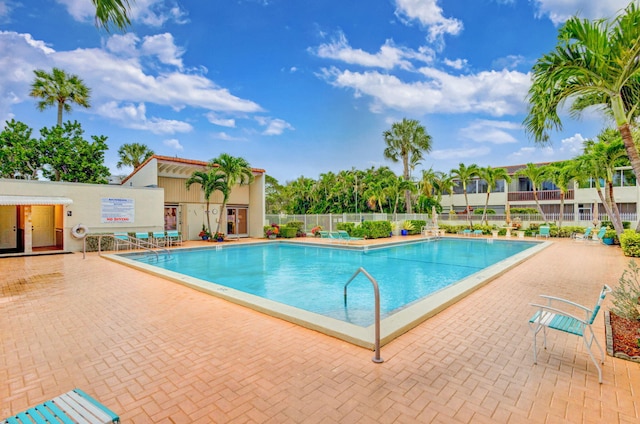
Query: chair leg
(593, 358)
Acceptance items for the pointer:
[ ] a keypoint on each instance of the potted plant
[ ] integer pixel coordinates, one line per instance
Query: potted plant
(219, 236)
(204, 233)
(316, 231)
(272, 231)
(406, 227)
(610, 236)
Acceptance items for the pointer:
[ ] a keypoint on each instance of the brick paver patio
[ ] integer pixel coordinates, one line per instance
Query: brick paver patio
(156, 352)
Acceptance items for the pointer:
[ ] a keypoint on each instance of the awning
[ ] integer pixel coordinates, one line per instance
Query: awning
(34, 200)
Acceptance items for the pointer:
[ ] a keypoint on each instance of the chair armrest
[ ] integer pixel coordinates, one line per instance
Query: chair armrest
(558, 312)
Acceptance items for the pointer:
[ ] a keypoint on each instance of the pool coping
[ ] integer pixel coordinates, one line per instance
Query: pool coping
(390, 327)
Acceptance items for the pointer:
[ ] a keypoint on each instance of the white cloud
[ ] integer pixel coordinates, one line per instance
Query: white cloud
(149, 12)
(123, 44)
(496, 93)
(134, 116)
(274, 126)
(173, 143)
(460, 153)
(162, 46)
(495, 132)
(559, 11)
(226, 137)
(456, 64)
(223, 122)
(509, 62)
(429, 14)
(388, 57)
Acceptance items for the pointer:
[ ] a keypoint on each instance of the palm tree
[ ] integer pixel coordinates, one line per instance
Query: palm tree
(491, 176)
(58, 88)
(602, 158)
(395, 186)
(562, 174)
(594, 63)
(406, 141)
(210, 181)
(236, 171)
(376, 193)
(464, 174)
(133, 154)
(536, 175)
(113, 12)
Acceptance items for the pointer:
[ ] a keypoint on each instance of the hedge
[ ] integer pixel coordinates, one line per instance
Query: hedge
(630, 243)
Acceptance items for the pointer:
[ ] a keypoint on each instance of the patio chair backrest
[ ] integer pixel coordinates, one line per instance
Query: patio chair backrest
(605, 289)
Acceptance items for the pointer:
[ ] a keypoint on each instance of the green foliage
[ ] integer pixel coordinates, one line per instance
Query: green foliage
(20, 155)
(524, 211)
(373, 229)
(349, 227)
(69, 157)
(106, 243)
(416, 226)
(133, 154)
(288, 232)
(299, 227)
(630, 243)
(480, 211)
(626, 297)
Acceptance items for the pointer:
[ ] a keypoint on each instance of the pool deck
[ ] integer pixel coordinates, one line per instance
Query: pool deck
(157, 352)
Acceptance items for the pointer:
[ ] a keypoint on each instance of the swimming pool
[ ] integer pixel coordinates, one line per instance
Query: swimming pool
(305, 283)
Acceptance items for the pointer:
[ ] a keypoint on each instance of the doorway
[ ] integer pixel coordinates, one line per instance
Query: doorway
(9, 231)
(237, 221)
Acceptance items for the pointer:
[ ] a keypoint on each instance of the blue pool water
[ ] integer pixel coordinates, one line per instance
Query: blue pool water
(313, 278)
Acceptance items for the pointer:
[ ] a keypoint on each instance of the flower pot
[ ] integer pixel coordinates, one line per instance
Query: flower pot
(220, 240)
(272, 236)
(608, 241)
(404, 232)
(205, 238)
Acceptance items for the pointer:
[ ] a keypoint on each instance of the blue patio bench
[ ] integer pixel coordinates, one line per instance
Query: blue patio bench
(73, 407)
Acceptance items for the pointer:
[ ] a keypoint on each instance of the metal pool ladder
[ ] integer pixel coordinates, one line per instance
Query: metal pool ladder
(376, 357)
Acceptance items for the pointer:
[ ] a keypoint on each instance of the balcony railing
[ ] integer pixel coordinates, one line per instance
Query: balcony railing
(527, 196)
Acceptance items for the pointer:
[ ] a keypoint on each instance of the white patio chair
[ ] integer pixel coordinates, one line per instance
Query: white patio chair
(550, 316)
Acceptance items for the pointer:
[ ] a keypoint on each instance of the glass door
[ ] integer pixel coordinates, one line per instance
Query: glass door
(237, 221)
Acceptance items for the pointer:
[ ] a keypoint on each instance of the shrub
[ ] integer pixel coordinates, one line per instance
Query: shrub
(417, 225)
(480, 211)
(524, 211)
(106, 243)
(349, 227)
(630, 243)
(626, 297)
(373, 229)
(288, 232)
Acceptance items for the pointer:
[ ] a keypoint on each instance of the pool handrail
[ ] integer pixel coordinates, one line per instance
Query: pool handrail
(376, 291)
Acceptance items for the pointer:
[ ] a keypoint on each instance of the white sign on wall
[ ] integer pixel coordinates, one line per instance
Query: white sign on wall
(117, 210)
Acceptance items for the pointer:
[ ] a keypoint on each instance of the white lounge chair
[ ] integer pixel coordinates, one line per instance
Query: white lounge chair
(552, 317)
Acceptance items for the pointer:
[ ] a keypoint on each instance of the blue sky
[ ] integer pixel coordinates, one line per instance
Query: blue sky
(299, 87)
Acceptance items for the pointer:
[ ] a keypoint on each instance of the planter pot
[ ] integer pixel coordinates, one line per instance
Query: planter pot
(205, 238)
(272, 236)
(404, 232)
(608, 241)
(220, 240)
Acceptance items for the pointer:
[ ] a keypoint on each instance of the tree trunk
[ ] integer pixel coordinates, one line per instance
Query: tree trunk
(208, 212)
(535, 197)
(59, 114)
(486, 204)
(615, 218)
(466, 201)
(561, 208)
(632, 152)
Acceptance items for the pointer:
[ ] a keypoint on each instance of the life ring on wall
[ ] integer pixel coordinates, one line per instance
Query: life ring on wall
(79, 231)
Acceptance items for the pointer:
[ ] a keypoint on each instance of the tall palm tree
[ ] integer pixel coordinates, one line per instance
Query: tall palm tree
(536, 175)
(58, 88)
(210, 181)
(562, 174)
(491, 176)
(464, 174)
(113, 12)
(395, 186)
(376, 194)
(594, 63)
(236, 171)
(133, 154)
(406, 141)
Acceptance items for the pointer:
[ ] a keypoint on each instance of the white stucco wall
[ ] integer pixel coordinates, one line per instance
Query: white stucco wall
(86, 208)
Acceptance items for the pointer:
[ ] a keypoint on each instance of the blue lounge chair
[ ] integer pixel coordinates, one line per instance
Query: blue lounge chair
(142, 239)
(324, 234)
(121, 240)
(544, 231)
(477, 232)
(174, 238)
(345, 236)
(585, 236)
(467, 232)
(159, 238)
(550, 316)
(72, 407)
